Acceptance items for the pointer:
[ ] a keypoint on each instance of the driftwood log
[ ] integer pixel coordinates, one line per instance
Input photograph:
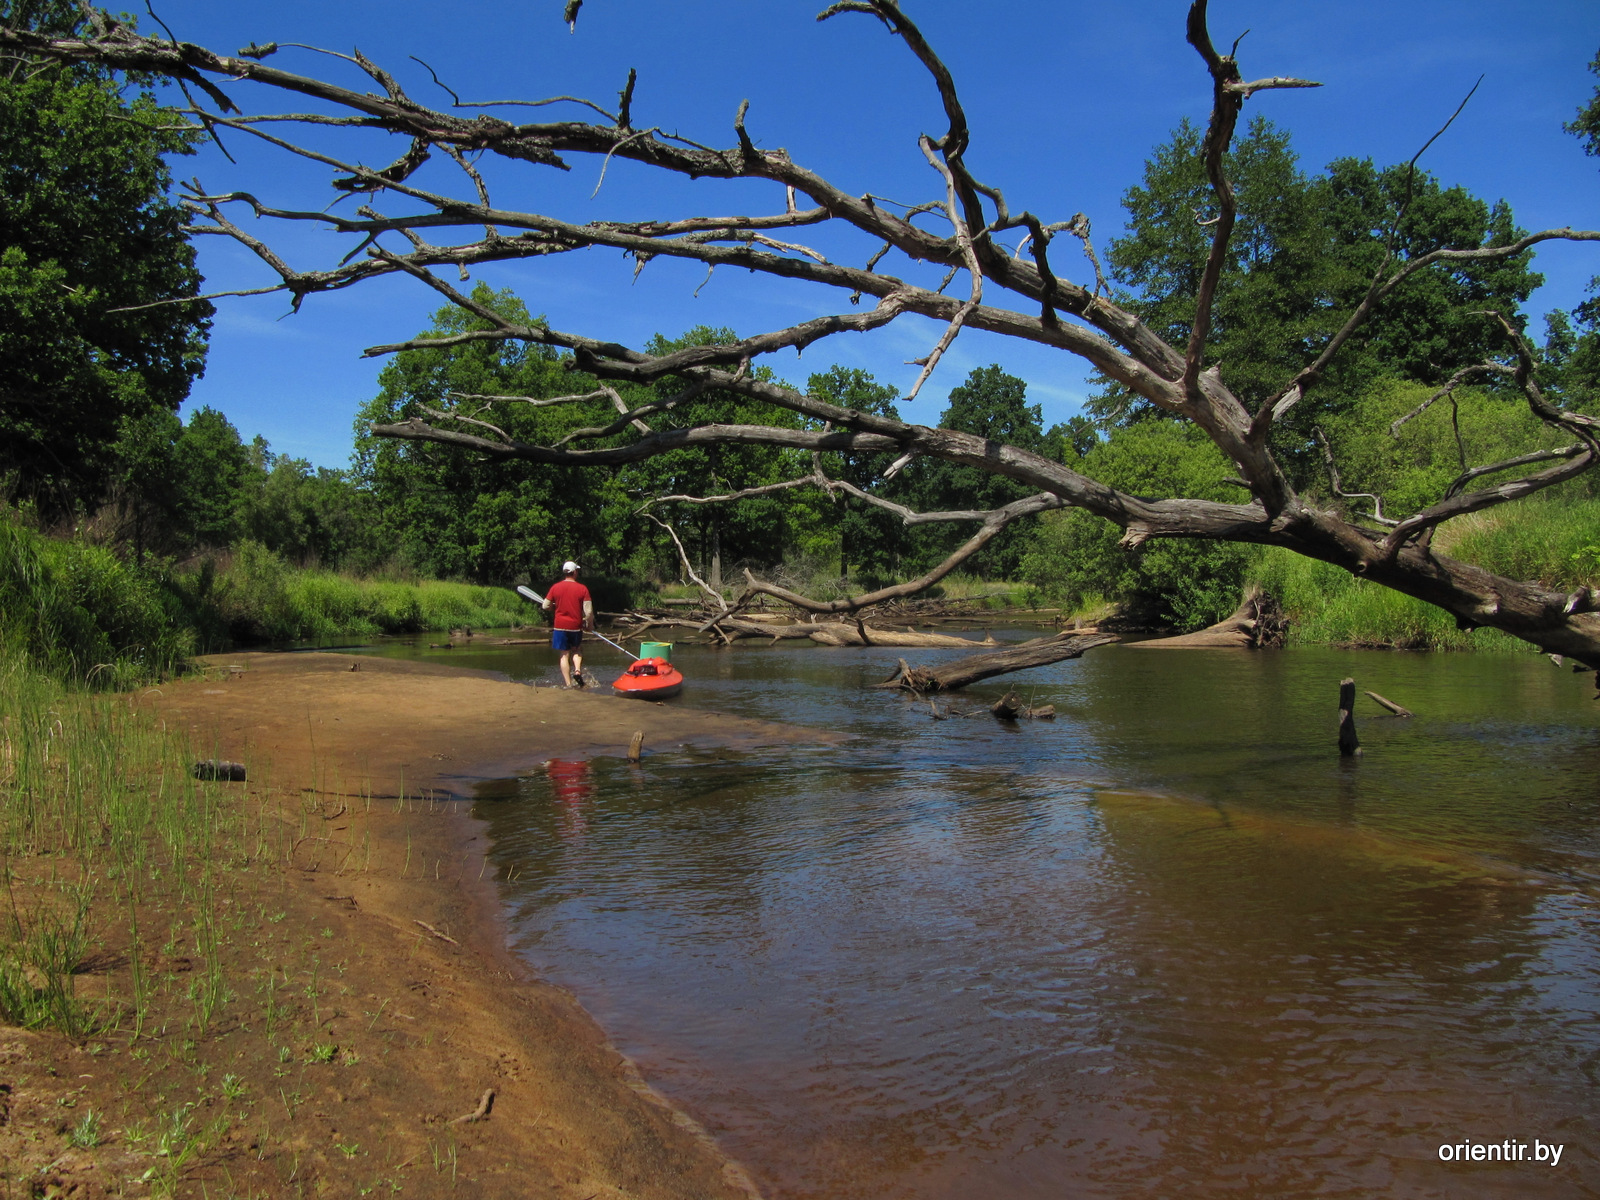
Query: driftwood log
(1256, 624)
(1040, 652)
(866, 635)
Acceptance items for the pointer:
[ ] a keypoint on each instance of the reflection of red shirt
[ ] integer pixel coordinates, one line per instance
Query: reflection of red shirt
(567, 598)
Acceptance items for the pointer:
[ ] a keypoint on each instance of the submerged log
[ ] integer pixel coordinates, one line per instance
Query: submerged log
(1010, 708)
(1256, 624)
(1040, 652)
(823, 633)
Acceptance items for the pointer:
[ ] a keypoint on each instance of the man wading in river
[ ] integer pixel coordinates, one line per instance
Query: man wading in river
(574, 612)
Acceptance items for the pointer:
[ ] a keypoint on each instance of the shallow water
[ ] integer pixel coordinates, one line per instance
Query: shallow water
(1168, 944)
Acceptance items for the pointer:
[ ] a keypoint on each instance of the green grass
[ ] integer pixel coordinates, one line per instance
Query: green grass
(1327, 605)
(99, 819)
(79, 613)
(260, 598)
(1554, 542)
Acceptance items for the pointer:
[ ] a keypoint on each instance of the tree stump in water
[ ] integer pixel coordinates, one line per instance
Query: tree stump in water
(1040, 652)
(1349, 744)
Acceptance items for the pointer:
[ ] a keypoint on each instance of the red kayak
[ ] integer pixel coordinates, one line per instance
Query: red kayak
(649, 679)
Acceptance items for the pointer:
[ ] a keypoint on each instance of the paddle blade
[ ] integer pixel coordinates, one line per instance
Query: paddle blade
(530, 594)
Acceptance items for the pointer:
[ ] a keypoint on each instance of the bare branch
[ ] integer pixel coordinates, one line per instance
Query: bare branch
(1333, 480)
(1226, 103)
(992, 526)
(440, 414)
(964, 238)
(457, 102)
(715, 596)
(1456, 380)
(1577, 459)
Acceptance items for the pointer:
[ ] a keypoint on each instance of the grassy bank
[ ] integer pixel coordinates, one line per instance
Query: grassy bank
(1328, 606)
(1553, 542)
(80, 613)
(125, 879)
(257, 597)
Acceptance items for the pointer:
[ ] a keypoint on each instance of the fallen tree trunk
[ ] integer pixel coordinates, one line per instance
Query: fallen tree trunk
(826, 634)
(1040, 652)
(865, 635)
(1256, 624)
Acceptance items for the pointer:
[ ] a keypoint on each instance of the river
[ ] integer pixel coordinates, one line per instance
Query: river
(1169, 944)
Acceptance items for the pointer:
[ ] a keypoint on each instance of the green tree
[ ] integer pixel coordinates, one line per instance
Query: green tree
(1572, 347)
(447, 514)
(86, 232)
(310, 515)
(990, 404)
(870, 539)
(1303, 253)
(1077, 557)
(757, 531)
(217, 474)
(1586, 125)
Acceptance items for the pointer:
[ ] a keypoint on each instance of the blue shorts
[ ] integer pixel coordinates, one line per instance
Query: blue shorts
(566, 639)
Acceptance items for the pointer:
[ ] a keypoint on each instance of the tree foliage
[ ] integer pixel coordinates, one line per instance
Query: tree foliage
(1305, 249)
(989, 404)
(446, 513)
(87, 232)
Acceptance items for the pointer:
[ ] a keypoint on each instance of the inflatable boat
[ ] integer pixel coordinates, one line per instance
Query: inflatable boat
(649, 679)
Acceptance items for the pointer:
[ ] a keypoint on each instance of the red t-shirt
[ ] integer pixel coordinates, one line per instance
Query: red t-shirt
(567, 598)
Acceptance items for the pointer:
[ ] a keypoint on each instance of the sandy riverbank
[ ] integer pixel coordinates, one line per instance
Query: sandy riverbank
(382, 882)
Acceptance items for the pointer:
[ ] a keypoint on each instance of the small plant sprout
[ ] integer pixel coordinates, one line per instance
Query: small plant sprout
(232, 1087)
(85, 1135)
(323, 1052)
(348, 1149)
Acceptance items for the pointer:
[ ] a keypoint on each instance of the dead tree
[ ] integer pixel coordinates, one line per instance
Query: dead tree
(1015, 291)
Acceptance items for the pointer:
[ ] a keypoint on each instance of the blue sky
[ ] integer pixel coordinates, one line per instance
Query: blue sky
(1066, 101)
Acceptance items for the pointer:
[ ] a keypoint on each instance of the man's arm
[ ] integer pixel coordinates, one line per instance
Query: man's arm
(588, 615)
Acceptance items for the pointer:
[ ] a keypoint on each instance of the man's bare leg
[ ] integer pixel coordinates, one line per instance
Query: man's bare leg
(566, 667)
(577, 666)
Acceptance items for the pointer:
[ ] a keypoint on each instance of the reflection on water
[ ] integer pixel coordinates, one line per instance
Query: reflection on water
(1168, 945)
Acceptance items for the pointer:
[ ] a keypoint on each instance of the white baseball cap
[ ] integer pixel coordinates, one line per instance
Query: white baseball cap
(569, 565)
